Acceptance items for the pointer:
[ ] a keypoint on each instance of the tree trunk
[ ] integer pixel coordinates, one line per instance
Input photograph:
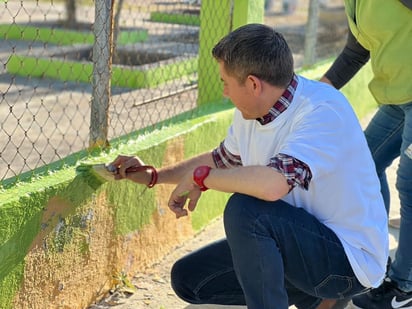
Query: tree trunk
(71, 12)
(311, 34)
(116, 28)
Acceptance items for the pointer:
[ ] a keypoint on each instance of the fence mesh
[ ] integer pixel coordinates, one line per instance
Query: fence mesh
(50, 52)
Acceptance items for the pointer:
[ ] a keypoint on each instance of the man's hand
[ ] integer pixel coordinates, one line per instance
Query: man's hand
(123, 163)
(185, 190)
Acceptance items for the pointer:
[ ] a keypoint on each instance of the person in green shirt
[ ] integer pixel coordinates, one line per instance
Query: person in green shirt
(381, 31)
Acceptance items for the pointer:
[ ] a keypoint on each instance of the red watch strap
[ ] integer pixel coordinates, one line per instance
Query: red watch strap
(199, 175)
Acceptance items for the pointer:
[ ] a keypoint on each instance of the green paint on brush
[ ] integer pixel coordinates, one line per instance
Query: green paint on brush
(94, 174)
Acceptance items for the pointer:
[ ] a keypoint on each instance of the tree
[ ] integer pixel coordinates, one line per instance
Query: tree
(71, 13)
(116, 26)
(311, 34)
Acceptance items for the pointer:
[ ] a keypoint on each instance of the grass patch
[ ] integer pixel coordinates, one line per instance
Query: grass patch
(175, 18)
(61, 36)
(122, 76)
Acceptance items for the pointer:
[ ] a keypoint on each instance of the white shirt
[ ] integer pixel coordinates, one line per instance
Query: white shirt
(320, 129)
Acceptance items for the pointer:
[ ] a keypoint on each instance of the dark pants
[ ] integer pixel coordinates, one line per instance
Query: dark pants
(389, 136)
(275, 255)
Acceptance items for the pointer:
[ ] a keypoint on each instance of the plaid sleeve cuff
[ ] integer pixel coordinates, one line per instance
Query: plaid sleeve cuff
(296, 172)
(224, 159)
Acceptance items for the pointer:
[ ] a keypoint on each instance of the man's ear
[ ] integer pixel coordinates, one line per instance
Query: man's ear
(254, 84)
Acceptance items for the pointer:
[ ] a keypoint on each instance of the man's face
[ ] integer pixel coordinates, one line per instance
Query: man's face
(241, 95)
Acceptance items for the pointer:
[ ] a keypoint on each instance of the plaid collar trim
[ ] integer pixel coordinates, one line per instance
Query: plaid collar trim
(282, 104)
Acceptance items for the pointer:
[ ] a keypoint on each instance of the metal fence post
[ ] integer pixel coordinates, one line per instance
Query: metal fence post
(102, 63)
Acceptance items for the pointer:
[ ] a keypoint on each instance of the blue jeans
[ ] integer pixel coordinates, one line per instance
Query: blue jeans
(389, 135)
(275, 255)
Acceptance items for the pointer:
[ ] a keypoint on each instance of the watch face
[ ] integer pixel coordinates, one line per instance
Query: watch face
(199, 175)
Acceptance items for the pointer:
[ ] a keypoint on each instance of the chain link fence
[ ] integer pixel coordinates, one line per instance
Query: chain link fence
(59, 96)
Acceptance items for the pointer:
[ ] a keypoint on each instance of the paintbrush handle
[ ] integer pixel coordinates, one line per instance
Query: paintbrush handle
(113, 169)
(142, 168)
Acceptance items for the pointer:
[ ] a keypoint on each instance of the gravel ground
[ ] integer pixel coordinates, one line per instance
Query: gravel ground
(152, 286)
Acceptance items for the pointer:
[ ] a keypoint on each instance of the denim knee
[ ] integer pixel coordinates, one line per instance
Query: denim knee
(237, 212)
(232, 210)
(179, 283)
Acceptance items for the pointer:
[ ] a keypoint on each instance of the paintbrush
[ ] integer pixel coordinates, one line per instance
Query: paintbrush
(97, 174)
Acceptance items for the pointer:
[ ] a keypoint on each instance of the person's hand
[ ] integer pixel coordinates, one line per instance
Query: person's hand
(185, 190)
(128, 168)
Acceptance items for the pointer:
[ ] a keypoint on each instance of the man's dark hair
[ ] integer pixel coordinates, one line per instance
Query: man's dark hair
(256, 49)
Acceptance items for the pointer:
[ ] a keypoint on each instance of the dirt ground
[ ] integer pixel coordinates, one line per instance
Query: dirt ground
(150, 288)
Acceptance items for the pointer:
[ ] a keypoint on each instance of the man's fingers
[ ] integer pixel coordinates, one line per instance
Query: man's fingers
(122, 163)
(192, 204)
(178, 201)
(181, 213)
(176, 205)
(194, 196)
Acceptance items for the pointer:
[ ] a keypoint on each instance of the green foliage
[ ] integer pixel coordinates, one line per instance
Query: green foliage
(123, 284)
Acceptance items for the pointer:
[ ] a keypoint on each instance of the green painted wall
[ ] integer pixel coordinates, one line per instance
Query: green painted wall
(21, 212)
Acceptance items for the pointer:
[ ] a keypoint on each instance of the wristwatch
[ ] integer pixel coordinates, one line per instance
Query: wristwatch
(199, 175)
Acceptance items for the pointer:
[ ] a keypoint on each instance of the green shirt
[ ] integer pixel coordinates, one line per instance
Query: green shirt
(384, 27)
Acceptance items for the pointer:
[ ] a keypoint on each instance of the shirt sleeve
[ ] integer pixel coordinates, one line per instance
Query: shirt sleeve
(296, 172)
(349, 62)
(224, 158)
